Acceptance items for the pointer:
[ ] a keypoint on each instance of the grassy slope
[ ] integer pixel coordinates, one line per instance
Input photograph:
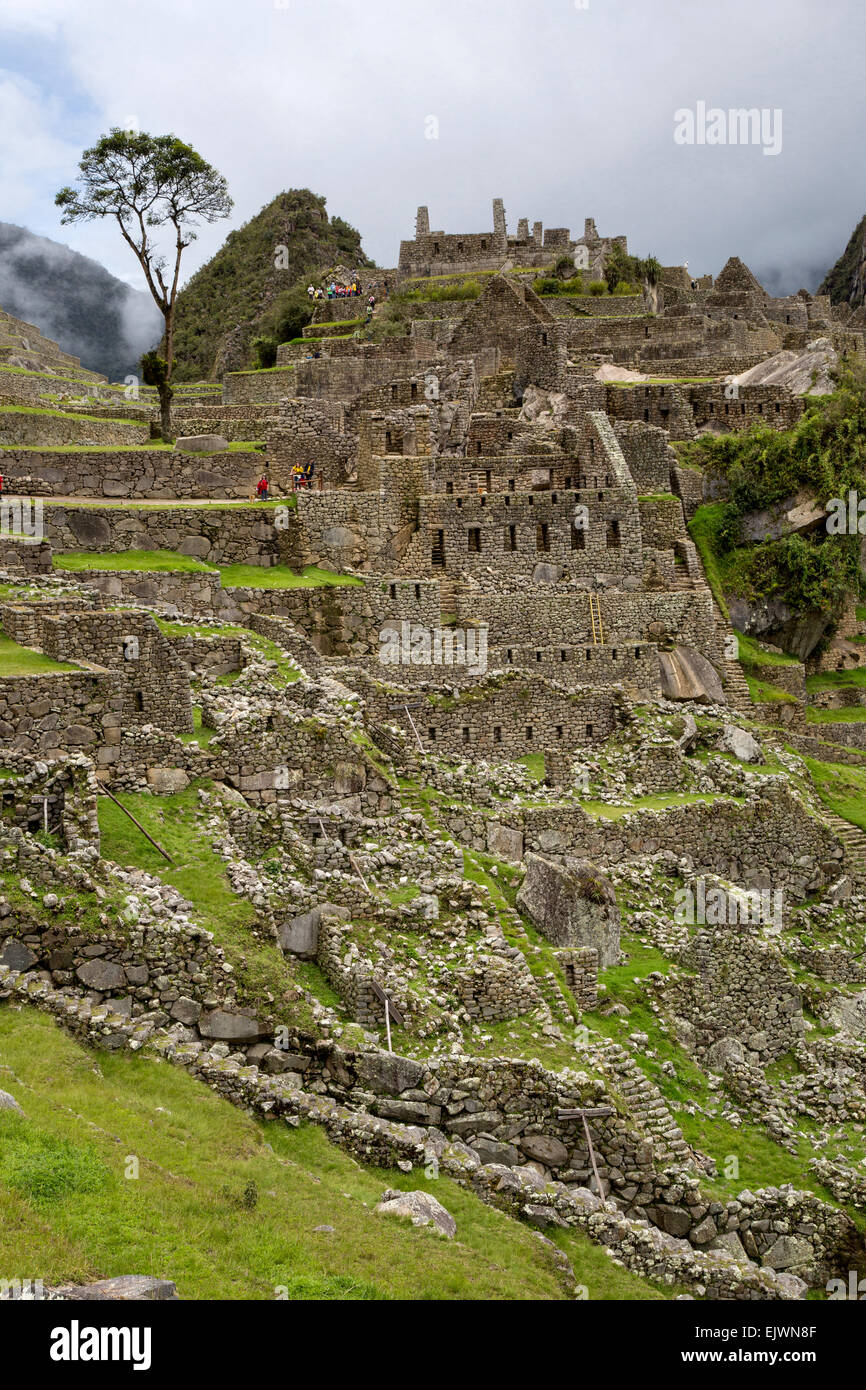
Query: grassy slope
(71, 1214)
(22, 661)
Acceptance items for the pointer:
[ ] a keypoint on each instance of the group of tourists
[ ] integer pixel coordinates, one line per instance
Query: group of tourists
(335, 291)
(302, 475)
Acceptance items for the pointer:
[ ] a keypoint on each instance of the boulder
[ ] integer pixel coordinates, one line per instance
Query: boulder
(300, 935)
(573, 905)
(222, 1025)
(167, 779)
(545, 1149)
(419, 1208)
(505, 843)
(386, 1074)
(788, 1252)
(8, 1102)
(124, 1288)
(201, 444)
(16, 955)
(744, 746)
(102, 975)
(686, 675)
(545, 573)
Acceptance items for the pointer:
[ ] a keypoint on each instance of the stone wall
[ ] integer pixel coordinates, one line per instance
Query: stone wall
(771, 841)
(63, 712)
(506, 716)
(229, 535)
(143, 667)
(145, 473)
(46, 427)
(648, 454)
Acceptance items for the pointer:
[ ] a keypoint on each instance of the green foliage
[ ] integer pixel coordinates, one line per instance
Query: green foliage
(597, 287)
(243, 286)
(548, 285)
(839, 282)
(154, 370)
(435, 294)
(620, 267)
(289, 313)
(825, 453)
(264, 352)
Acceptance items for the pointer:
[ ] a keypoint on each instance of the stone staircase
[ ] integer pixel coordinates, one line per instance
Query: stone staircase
(735, 683)
(646, 1104)
(853, 840)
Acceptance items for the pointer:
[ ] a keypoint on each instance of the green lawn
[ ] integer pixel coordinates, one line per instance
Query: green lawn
(852, 714)
(23, 661)
(281, 577)
(155, 561)
(841, 788)
(223, 1204)
(754, 654)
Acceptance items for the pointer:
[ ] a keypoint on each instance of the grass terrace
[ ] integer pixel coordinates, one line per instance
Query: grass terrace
(227, 1205)
(24, 661)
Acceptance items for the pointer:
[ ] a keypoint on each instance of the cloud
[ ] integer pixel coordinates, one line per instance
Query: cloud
(564, 112)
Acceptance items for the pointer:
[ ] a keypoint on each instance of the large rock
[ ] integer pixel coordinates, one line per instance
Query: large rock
(686, 675)
(387, 1074)
(167, 779)
(8, 1102)
(300, 935)
(505, 843)
(229, 1027)
(201, 443)
(807, 373)
(16, 955)
(788, 1252)
(419, 1208)
(545, 1149)
(125, 1288)
(741, 743)
(102, 975)
(572, 906)
(796, 632)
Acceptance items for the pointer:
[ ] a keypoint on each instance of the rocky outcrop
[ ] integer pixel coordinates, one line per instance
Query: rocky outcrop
(573, 905)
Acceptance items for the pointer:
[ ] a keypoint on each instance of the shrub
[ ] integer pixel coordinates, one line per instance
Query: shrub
(264, 352)
(597, 287)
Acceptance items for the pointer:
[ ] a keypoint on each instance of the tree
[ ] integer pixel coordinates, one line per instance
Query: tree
(147, 182)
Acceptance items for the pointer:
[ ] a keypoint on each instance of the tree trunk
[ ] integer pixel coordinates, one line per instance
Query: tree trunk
(165, 399)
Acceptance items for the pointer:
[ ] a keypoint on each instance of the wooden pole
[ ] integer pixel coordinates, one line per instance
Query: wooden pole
(598, 1185)
(138, 825)
(388, 1024)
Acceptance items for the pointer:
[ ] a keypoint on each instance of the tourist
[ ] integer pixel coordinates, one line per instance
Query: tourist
(262, 488)
(311, 291)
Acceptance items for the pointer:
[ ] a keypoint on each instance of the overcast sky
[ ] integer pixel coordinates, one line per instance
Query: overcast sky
(564, 108)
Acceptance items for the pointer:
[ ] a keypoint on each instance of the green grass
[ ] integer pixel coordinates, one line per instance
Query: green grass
(752, 653)
(841, 788)
(153, 561)
(23, 661)
(703, 529)
(67, 415)
(198, 872)
(852, 714)
(281, 577)
(837, 680)
(71, 1214)
(661, 802)
(763, 692)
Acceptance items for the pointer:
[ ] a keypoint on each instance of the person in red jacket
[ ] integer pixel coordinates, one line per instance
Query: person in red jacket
(262, 488)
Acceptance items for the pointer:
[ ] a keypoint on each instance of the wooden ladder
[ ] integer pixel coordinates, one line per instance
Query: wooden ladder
(595, 619)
